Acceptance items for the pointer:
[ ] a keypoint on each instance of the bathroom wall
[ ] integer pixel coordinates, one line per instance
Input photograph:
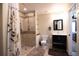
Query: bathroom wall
(1, 31)
(43, 23)
(59, 11)
(46, 20)
(77, 29)
(5, 9)
(78, 22)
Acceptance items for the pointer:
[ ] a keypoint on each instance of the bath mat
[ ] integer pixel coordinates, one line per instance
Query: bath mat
(54, 52)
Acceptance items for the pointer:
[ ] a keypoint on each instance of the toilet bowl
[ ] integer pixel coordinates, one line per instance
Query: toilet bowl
(44, 40)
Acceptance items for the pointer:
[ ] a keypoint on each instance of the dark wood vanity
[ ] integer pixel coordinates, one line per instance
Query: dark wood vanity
(59, 42)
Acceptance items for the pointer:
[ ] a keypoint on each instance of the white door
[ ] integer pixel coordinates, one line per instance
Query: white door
(70, 34)
(72, 27)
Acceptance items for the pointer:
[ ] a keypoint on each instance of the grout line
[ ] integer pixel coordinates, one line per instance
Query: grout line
(30, 50)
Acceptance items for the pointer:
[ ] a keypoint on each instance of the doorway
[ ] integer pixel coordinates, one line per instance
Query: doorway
(73, 31)
(27, 30)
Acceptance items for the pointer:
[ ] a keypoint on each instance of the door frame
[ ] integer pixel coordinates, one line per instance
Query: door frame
(70, 29)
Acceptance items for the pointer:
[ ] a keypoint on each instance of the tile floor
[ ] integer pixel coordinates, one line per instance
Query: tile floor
(25, 50)
(33, 51)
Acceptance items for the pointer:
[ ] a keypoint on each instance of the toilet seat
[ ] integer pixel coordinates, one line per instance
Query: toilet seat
(43, 42)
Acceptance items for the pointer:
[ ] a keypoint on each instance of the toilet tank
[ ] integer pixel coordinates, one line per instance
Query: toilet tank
(44, 37)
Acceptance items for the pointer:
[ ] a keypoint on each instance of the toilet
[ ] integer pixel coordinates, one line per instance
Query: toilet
(44, 40)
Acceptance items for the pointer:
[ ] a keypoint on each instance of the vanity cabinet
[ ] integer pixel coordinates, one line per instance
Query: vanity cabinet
(59, 42)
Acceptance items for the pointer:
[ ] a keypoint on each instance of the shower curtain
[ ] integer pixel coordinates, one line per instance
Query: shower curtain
(13, 42)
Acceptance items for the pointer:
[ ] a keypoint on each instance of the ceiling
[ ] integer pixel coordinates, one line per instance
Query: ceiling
(43, 8)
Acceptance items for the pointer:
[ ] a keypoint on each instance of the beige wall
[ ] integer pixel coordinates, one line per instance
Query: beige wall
(77, 29)
(3, 28)
(78, 22)
(46, 20)
(43, 23)
(1, 36)
(27, 39)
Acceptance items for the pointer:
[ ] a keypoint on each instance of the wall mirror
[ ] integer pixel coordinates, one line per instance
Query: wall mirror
(58, 24)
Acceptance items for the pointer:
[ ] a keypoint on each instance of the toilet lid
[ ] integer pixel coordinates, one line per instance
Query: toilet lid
(44, 41)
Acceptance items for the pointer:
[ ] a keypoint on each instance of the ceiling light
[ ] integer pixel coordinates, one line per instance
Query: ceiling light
(25, 9)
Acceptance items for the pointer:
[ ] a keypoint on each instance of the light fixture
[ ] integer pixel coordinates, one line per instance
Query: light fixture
(25, 9)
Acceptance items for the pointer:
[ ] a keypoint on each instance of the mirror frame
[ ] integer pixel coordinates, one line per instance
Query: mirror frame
(58, 24)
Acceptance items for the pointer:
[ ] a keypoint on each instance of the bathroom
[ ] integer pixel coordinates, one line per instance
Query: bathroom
(30, 35)
(39, 23)
(43, 24)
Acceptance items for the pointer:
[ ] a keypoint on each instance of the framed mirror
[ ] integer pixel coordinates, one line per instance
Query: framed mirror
(58, 24)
